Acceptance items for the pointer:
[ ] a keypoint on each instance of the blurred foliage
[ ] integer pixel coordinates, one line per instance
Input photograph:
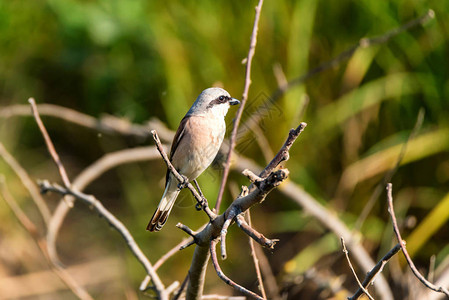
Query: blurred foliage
(141, 59)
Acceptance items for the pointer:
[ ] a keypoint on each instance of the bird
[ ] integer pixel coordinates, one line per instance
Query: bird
(195, 145)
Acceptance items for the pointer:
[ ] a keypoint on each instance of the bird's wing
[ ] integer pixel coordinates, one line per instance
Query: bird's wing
(178, 137)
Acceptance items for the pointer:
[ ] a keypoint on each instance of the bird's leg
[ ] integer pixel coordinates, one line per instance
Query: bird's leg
(199, 206)
(183, 183)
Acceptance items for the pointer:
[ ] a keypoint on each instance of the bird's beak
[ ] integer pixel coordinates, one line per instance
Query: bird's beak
(234, 101)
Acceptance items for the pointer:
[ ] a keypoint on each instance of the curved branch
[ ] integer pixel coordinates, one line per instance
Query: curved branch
(29, 226)
(27, 183)
(49, 143)
(226, 279)
(345, 251)
(371, 275)
(401, 242)
(117, 225)
(87, 176)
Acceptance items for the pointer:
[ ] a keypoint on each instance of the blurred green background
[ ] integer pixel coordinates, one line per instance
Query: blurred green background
(139, 59)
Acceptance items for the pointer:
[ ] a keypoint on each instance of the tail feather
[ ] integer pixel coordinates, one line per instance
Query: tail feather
(164, 208)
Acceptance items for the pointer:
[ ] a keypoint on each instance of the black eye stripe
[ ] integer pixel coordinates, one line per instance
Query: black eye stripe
(219, 100)
(222, 99)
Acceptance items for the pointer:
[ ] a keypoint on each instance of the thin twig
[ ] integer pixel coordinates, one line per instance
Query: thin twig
(233, 140)
(254, 234)
(104, 124)
(345, 251)
(181, 288)
(262, 263)
(256, 259)
(224, 231)
(226, 279)
(403, 248)
(163, 259)
(186, 229)
(29, 226)
(117, 225)
(49, 143)
(170, 253)
(263, 142)
(27, 183)
(283, 154)
(159, 287)
(87, 176)
(269, 278)
(172, 287)
(371, 275)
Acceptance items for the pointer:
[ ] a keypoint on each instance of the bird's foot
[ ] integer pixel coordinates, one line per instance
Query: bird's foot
(183, 183)
(199, 206)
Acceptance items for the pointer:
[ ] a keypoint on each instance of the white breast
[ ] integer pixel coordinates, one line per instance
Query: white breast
(200, 144)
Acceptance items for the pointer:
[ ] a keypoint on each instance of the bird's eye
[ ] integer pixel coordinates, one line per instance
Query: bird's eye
(221, 98)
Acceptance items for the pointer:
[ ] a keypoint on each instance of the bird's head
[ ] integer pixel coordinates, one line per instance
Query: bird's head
(213, 100)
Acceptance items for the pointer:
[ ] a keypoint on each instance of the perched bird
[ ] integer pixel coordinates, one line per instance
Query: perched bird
(195, 145)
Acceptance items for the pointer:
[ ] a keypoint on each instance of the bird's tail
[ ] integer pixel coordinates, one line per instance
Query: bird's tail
(160, 216)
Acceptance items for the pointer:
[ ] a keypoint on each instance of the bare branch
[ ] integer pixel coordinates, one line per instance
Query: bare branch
(256, 260)
(183, 244)
(49, 143)
(269, 278)
(197, 272)
(213, 230)
(186, 229)
(170, 253)
(329, 219)
(251, 232)
(105, 124)
(181, 288)
(283, 154)
(371, 275)
(262, 141)
(27, 183)
(259, 192)
(172, 287)
(29, 226)
(226, 279)
(159, 287)
(345, 251)
(224, 230)
(251, 176)
(117, 225)
(404, 250)
(233, 140)
(88, 175)
(188, 244)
